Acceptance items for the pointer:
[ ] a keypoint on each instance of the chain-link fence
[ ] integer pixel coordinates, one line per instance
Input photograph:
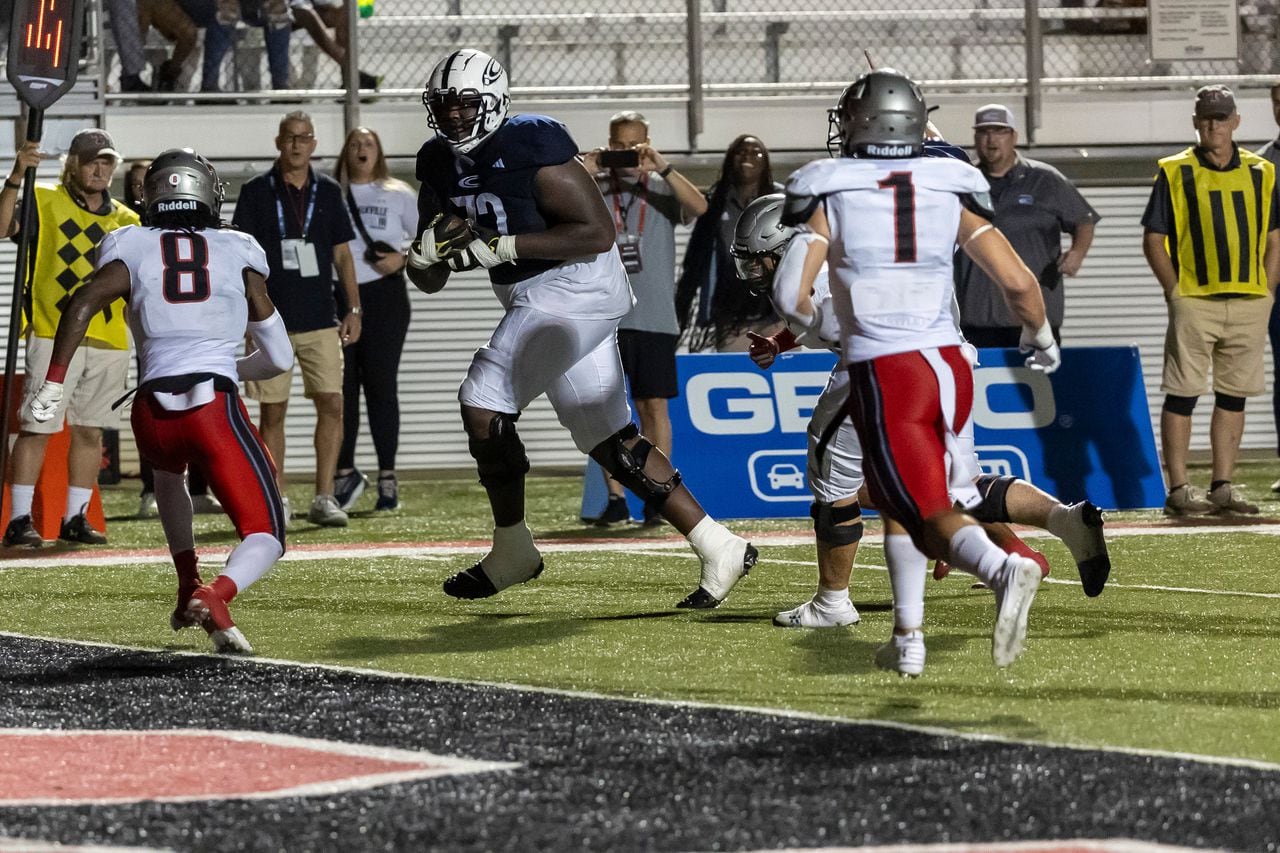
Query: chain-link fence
(578, 47)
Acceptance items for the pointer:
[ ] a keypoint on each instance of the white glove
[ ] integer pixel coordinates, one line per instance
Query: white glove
(422, 253)
(44, 405)
(496, 251)
(970, 353)
(1045, 354)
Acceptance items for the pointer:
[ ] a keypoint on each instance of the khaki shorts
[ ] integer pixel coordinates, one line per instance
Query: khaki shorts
(1229, 334)
(320, 355)
(96, 378)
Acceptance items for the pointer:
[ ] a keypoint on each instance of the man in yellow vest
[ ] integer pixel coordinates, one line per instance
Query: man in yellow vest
(1212, 238)
(71, 219)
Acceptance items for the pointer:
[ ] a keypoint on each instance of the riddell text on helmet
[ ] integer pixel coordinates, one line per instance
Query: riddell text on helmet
(176, 204)
(889, 150)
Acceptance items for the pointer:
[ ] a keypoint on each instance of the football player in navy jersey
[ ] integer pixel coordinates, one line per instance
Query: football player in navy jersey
(507, 193)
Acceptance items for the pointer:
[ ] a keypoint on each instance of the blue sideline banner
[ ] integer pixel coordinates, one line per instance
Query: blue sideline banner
(1084, 432)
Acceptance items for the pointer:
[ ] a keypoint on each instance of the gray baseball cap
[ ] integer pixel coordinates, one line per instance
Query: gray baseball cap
(91, 143)
(994, 115)
(1215, 101)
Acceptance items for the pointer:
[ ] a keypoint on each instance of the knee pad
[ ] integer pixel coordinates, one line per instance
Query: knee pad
(991, 509)
(500, 458)
(1180, 405)
(626, 465)
(1227, 402)
(829, 523)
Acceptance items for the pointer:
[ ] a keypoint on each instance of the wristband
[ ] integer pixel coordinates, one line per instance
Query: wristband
(11, 185)
(666, 171)
(56, 373)
(356, 310)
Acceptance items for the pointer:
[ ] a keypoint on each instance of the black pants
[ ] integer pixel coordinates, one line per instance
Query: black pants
(373, 363)
(998, 336)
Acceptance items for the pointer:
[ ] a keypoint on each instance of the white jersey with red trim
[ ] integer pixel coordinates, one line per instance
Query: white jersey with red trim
(893, 234)
(187, 306)
(819, 329)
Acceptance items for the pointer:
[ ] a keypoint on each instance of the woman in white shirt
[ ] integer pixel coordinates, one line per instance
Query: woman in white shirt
(384, 214)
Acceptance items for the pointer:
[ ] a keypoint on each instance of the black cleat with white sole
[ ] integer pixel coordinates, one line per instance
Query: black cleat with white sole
(474, 583)
(700, 599)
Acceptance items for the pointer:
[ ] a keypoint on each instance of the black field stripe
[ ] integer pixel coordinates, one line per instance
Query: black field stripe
(1193, 224)
(261, 465)
(1220, 245)
(1242, 235)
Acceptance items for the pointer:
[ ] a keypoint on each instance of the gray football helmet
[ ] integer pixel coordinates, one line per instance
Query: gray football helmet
(882, 114)
(760, 234)
(181, 181)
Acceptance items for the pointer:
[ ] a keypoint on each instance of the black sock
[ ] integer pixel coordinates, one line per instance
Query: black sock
(1213, 487)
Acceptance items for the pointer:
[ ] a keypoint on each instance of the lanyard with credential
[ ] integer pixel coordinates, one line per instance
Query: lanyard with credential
(620, 215)
(311, 208)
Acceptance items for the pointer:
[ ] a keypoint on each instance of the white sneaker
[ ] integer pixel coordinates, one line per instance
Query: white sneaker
(205, 505)
(721, 570)
(326, 512)
(147, 505)
(811, 614)
(1014, 594)
(903, 654)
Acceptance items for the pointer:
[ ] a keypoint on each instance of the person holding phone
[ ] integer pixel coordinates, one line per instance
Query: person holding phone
(648, 198)
(384, 213)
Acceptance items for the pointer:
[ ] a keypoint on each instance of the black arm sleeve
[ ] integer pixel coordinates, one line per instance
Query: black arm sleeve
(797, 209)
(979, 203)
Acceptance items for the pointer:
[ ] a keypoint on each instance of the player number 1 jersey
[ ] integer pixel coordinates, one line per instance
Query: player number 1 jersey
(893, 228)
(187, 306)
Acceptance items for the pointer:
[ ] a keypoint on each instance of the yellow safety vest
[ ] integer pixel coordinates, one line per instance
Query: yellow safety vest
(64, 259)
(1220, 224)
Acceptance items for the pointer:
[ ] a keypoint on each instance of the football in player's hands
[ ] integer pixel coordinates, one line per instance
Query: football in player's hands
(451, 233)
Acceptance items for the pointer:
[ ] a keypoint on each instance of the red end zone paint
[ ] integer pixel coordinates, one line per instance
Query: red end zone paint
(53, 767)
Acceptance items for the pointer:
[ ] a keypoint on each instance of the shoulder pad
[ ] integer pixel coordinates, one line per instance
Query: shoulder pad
(979, 203)
(797, 209)
(530, 141)
(942, 148)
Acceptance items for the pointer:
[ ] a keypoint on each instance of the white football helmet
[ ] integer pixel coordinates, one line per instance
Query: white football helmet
(466, 98)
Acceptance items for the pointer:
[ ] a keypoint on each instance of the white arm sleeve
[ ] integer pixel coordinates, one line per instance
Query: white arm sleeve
(274, 354)
(787, 281)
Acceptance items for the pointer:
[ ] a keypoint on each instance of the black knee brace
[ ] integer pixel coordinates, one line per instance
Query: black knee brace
(626, 465)
(829, 523)
(1228, 403)
(1177, 405)
(500, 458)
(992, 509)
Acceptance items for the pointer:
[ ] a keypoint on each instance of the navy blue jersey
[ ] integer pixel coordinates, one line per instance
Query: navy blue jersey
(494, 185)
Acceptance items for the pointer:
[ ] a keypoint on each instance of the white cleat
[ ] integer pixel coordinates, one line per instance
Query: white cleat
(813, 615)
(903, 654)
(1014, 594)
(231, 642)
(720, 572)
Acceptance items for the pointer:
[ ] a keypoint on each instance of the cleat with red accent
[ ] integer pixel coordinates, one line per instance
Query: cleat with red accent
(210, 612)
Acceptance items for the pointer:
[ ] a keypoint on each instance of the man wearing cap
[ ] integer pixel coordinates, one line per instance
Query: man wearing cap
(1035, 204)
(1212, 238)
(71, 220)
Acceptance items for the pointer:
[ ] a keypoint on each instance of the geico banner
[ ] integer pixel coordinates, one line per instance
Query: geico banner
(739, 431)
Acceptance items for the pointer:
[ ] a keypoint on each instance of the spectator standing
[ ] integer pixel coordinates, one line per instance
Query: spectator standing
(726, 311)
(648, 200)
(71, 220)
(1218, 263)
(300, 219)
(1035, 205)
(384, 212)
(1271, 151)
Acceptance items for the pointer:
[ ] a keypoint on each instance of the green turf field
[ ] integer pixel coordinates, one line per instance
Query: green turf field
(1138, 667)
